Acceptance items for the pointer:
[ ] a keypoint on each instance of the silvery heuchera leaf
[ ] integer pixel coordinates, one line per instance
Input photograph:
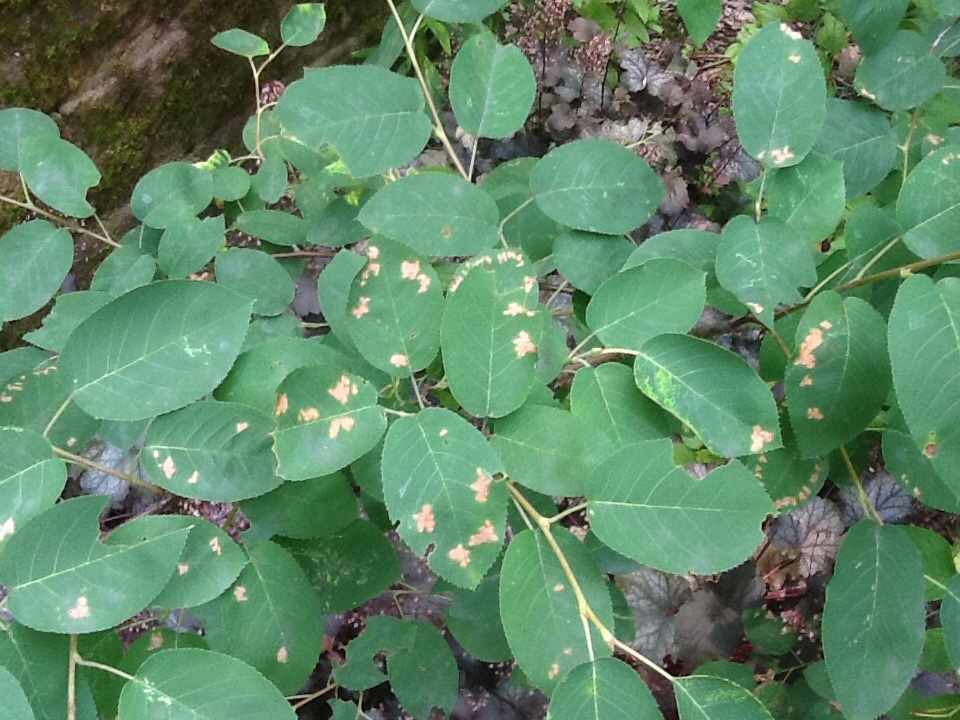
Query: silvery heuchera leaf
(813, 532)
(890, 499)
(654, 597)
(97, 482)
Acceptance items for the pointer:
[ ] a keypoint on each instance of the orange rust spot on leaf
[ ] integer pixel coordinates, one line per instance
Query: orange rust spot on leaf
(341, 423)
(814, 413)
(481, 486)
(425, 519)
(168, 467)
(446, 232)
(183, 569)
(807, 381)
(523, 344)
(282, 405)
(460, 555)
(558, 587)
(342, 391)
(399, 360)
(759, 438)
(931, 449)
(362, 308)
(410, 269)
(811, 342)
(308, 414)
(485, 534)
(515, 308)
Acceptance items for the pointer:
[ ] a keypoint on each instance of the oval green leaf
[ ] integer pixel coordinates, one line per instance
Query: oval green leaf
(383, 125)
(438, 483)
(59, 173)
(872, 22)
(155, 349)
(596, 185)
(303, 24)
(31, 478)
(861, 138)
(928, 208)
(171, 194)
(326, 419)
(660, 296)
(647, 508)
(73, 583)
(712, 390)
(17, 124)
(701, 697)
(606, 689)
(242, 43)
(69, 311)
(15, 705)
(492, 87)
(189, 245)
(257, 276)
(779, 96)
(541, 618)
(873, 620)
(587, 260)
(902, 74)
(35, 257)
(809, 197)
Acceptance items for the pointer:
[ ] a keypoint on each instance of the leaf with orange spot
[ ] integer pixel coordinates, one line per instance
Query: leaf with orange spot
(430, 485)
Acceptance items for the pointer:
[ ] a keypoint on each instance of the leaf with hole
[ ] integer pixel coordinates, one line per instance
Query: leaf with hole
(644, 506)
(873, 620)
(438, 484)
(661, 296)
(540, 615)
(78, 584)
(35, 257)
(596, 185)
(395, 306)
(490, 334)
(326, 419)
(59, 173)
(273, 595)
(374, 118)
(779, 96)
(712, 390)
(434, 214)
(156, 349)
(492, 87)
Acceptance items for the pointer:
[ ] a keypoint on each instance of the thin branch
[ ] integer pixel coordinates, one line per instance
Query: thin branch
(72, 658)
(902, 271)
(57, 415)
(569, 511)
(307, 699)
(868, 506)
(73, 227)
(105, 668)
(92, 465)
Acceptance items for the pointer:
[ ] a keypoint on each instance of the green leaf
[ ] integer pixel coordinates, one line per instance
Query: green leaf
(925, 355)
(779, 95)
(861, 138)
(274, 596)
(303, 24)
(73, 583)
(69, 311)
(175, 684)
(596, 185)
(645, 507)
(438, 483)
(241, 42)
(35, 257)
(171, 194)
(435, 214)
(258, 372)
(492, 87)
(928, 208)
(872, 22)
(936, 554)
(867, 231)
(270, 182)
(257, 276)
(808, 197)
(911, 467)
(700, 697)
(459, 11)
(489, 334)
(31, 478)
(541, 618)
(230, 183)
(587, 260)
(292, 509)
(333, 291)
(660, 296)
(123, 270)
(548, 449)
(326, 419)
(274, 226)
(525, 225)
(712, 390)
(950, 619)
(38, 661)
(697, 248)
(606, 689)
(608, 399)
(902, 74)
(700, 17)
(839, 377)
(212, 451)
(764, 264)
(873, 620)
(155, 349)
(186, 247)
(396, 306)
(349, 567)
(382, 126)
(153, 642)
(15, 705)
(59, 173)
(18, 124)
(473, 618)
(420, 665)
(789, 479)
